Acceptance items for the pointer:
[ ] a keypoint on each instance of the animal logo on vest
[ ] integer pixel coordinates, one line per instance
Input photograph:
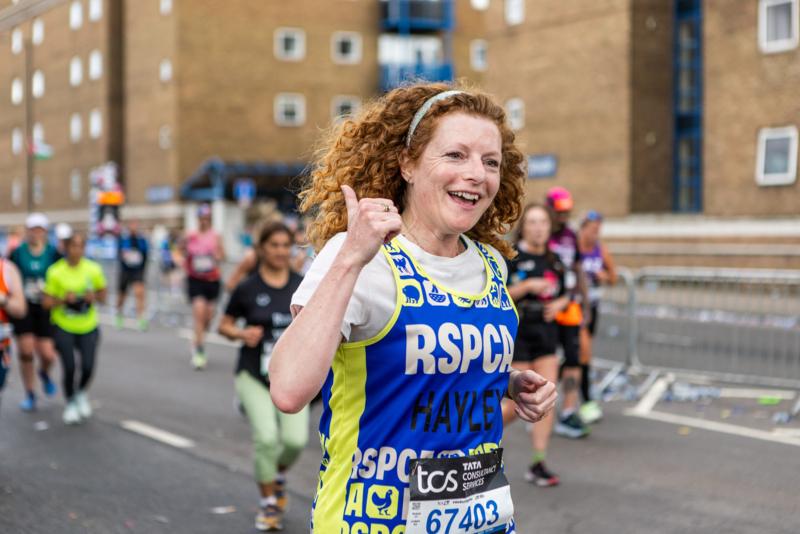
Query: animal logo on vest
(436, 297)
(402, 265)
(411, 293)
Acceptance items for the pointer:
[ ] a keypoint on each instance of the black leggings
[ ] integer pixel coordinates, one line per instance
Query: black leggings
(66, 343)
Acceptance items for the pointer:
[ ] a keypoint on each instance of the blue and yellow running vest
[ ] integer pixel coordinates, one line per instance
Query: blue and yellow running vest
(430, 384)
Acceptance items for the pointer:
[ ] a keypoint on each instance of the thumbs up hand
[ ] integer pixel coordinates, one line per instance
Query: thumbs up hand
(371, 222)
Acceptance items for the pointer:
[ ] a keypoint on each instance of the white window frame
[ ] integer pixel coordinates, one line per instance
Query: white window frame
(75, 71)
(37, 31)
(95, 10)
(165, 137)
(17, 91)
(165, 7)
(515, 108)
(165, 70)
(75, 128)
(296, 98)
(95, 64)
(480, 5)
(300, 38)
(75, 189)
(17, 141)
(75, 15)
(38, 189)
(357, 45)
(474, 46)
(95, 123)
(772, 47)
(337, 101)
(38, 133)
(16, 191)
(38, 84)
(766, 134)
(514, 12)
(16, 41)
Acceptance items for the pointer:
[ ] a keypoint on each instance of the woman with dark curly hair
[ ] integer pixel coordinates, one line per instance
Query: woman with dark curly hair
(404, 321)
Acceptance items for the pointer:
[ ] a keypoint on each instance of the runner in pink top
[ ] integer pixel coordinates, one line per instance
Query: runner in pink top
(204, 253)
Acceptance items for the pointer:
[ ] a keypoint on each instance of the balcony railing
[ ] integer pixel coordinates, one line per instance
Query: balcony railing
(397, 74)
(405, 16)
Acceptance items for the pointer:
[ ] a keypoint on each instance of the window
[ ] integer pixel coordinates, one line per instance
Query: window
(16, 192)
(95, 65)
(480, 5)
(75, 71)
(290, 44)
(95, 10)
(165, 137)
(75, 15)
(75, 128)
(776, 163)
(165, 70)
(515, 12)
(290, 109)
(346, 47)
(37, 84)
(16, 41)
(16, 141)
(38, 133)
(516, 113)
(344, 106)
(17, 91)
(777, 25)
(95, 124)
(478, 49)
(75, 184)
(165, 7)
(37, 31)
(38, 190)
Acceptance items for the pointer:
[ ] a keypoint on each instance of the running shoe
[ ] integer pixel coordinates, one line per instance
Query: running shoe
(71, 414)
(28, 404)
(281, 495)
(590, 412)
(143, 324)
(269, 519)
(83, 404)
(539, 475)
(571, 427)
(48, 386)
(199, 360)
(119, 322)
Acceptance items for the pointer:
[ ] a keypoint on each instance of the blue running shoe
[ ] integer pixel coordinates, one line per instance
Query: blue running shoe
(28, 404)
(48, 385)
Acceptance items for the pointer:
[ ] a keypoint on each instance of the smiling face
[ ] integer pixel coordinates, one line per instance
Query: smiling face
(456, 177)
(276, 250)
(536, 227)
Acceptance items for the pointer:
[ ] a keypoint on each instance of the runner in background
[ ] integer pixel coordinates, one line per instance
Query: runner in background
(599, 268)
(73, 285)
(263, 300)
(302, 251)
(564, 243)
(247, 265)
(62, 231)
(12, 305)
(203, 252)
(536, 278)
(132, 251)
(33, 331)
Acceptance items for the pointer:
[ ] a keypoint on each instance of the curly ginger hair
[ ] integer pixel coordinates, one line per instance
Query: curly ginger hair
(365, 153)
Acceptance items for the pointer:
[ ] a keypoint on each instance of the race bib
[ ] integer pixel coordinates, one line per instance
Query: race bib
(33, 289)
(464, 495)
(132, 257)
(203, 264)
(266, 356)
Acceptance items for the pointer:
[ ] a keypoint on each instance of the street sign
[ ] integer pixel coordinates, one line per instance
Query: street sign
(244, 191)
(542, 165)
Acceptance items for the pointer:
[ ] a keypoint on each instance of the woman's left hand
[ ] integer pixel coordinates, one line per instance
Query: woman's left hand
(533, 394)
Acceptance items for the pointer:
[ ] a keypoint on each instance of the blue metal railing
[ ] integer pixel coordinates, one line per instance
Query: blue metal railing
(405, 16)
(393, 75)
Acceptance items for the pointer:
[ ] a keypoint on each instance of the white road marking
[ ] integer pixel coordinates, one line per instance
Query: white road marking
(743, 393)
(157, 434)
(715, 426)
(211, 337)
(791, 432)
(652, 396)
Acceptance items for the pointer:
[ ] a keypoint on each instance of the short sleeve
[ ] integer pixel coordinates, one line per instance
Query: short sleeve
(51, 285)
(14, 257)
(98, 278)
(235, 307)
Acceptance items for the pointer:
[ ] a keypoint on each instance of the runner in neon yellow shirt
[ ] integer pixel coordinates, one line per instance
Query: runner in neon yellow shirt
(72, 286)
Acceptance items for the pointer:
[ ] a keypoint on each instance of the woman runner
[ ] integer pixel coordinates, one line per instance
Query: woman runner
(262, 300)
(404, 320)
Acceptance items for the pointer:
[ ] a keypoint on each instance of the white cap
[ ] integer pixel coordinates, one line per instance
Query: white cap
(37, 220)
(63, 231)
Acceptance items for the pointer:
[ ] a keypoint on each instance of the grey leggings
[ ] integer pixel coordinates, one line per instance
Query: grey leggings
(86, 344)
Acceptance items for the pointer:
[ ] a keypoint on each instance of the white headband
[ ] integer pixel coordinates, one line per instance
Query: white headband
(424, 109)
